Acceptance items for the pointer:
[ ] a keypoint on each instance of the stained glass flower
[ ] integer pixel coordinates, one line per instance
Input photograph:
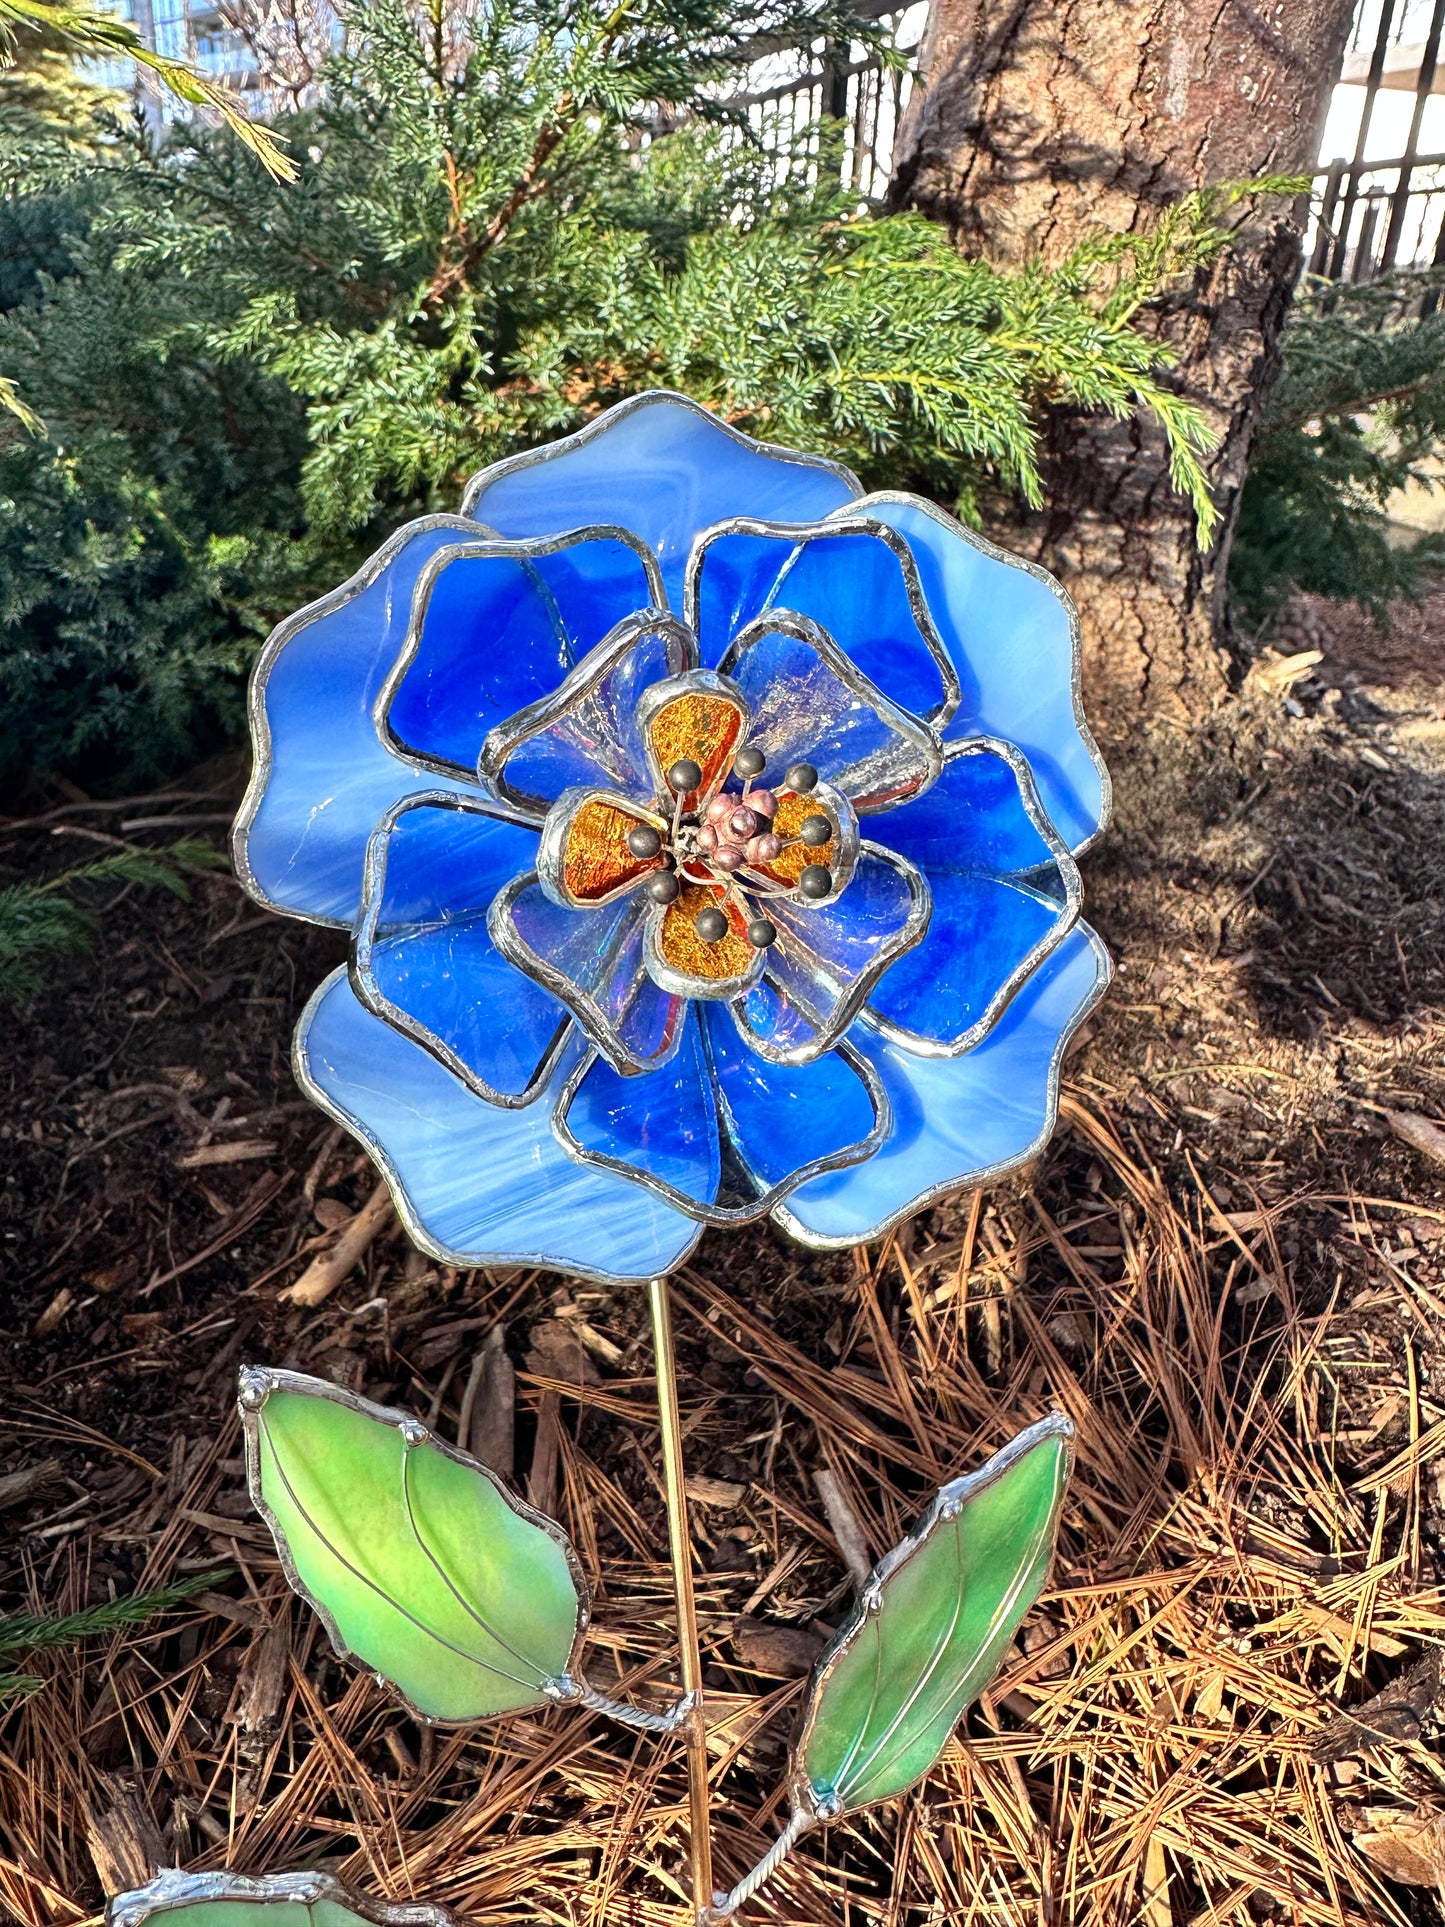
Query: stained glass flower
(705, 830)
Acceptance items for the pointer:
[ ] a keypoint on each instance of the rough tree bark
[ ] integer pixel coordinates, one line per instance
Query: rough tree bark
(1038, 120)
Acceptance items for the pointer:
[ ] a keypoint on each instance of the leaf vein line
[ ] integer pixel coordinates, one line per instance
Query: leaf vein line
(380, 1591)
(445, 1577)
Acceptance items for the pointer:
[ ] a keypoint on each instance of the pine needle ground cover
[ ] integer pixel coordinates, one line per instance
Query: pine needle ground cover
(1230, 1271)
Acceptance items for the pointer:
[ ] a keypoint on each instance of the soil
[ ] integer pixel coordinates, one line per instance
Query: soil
(1229, 1266)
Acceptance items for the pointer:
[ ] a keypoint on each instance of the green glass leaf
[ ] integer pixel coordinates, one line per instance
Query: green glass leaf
(283, 1900)
(418, 1559)
(931, 1626)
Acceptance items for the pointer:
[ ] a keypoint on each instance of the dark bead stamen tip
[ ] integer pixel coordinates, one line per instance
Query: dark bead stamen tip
(684, 776)
(711, 925)
(801, 778)
(644, 840)
(762, 935)
(664, 887)
(750, 762)
(815, 832)
(816, 882)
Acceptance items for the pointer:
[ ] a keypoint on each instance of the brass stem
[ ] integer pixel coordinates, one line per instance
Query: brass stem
(680, 1547)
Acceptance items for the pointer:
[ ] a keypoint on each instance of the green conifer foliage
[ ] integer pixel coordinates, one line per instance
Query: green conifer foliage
(1359, 411)
(244, 384)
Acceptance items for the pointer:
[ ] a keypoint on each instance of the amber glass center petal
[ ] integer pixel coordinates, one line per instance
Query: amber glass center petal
(699, 727)
(596, 860)
(682, 949)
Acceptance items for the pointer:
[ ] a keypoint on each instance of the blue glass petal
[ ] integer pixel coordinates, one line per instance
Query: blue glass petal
(781, 1117)
(586, 734)
(856, 586)
(806, 708)
(497, 632)
(665, 467)
(958, 1120)
(323, 776)
(1003, 894)
(981, 934)
(424, 959)
(477, 1185)
(828, 955)
(974, 820)
(1010, 631)
(663, 1124)
(593, 960)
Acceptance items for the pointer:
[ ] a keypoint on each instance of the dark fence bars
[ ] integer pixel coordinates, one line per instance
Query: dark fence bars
(1370, 216)
(1367, 216)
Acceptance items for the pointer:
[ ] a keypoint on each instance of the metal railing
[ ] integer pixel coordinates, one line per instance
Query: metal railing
(848, 85)
(1370, 216)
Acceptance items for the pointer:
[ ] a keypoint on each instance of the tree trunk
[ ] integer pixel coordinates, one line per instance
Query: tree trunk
(1035, 122)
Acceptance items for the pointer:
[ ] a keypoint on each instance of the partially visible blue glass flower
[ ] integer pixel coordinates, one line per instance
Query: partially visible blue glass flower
(705, 829)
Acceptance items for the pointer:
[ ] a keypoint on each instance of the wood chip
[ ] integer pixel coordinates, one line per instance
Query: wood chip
(542, 1479)
(488, 1423)
(263, 1674)
(225, 1528)
(244, 1150)
(59, 1305)
(777, 1651)
(1392, 1718)
(330, 1268)
(1420, 1133)
(555, 1350)
(721, 1493)
(29, 1481)
(1406, 1843)
(125, 1842)
(847, 1530)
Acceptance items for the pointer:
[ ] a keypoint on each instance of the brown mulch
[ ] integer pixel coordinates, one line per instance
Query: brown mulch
(1229, 1269)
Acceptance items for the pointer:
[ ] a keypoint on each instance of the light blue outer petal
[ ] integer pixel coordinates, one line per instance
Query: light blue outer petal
(322, 777)
(1013, 636)
(474, 1184)
(958, 1120)
(666, 468)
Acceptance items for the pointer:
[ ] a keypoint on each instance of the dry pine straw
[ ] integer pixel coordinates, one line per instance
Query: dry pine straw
(1223, 1586)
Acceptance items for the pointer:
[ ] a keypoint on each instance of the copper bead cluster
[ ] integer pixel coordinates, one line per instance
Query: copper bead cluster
(732, 844)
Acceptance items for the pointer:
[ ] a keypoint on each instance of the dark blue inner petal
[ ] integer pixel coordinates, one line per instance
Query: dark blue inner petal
(737, 576)
(433, 861)
(498, 632)
(1003, 894)
(853, 584)
(663, 1124)
(983, 930)
(1009, 631)
(452, 985)
(972, 820)
(423, 958)
(780, 1118)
